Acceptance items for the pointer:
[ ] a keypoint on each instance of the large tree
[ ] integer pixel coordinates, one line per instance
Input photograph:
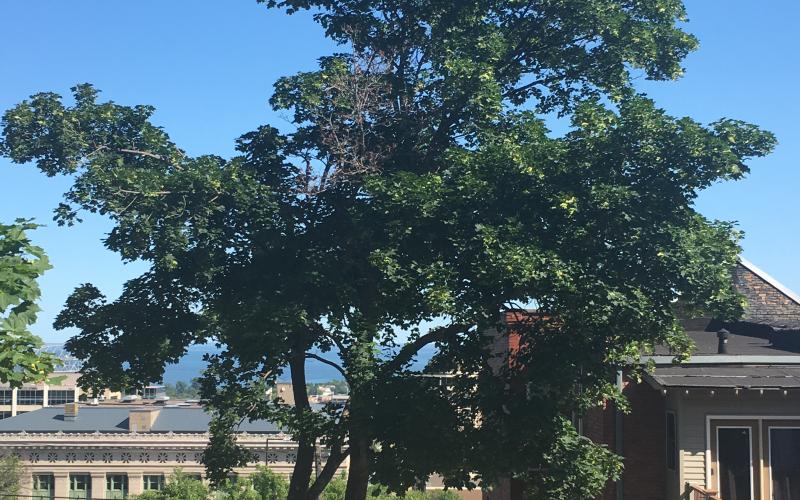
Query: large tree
(419, 195)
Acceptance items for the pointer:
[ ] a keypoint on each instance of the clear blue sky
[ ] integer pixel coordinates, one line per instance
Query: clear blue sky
(208, 67)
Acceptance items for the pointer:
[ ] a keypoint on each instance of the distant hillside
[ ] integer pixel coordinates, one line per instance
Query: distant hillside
(191, 365)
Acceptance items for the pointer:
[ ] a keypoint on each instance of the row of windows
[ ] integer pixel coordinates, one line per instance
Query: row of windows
(80, 485)
(36, 397)
(60, 397)
(30, 396)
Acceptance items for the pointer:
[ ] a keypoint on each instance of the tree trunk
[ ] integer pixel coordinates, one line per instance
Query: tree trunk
(358, 477)
(301, 474)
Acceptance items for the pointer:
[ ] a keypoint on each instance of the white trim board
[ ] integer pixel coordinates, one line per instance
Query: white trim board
(729, 359)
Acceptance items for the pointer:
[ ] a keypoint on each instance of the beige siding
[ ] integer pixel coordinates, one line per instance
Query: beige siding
(694, 408)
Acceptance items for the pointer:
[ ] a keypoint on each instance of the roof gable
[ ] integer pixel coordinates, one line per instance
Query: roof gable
(768, 301)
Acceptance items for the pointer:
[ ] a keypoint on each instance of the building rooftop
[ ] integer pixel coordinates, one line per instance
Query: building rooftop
(728, 376)
(115, 419)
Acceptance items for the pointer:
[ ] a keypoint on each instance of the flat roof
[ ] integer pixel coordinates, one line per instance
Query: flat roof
(114, 419)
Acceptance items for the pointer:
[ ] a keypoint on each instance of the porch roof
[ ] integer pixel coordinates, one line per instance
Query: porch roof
(728, 376)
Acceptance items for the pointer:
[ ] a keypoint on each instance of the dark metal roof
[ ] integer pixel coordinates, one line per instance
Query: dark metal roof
(728, 376)
(115, 419)
(744, 338)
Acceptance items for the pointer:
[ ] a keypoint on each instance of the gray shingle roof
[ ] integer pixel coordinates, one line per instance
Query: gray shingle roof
(729, 376)
(115, 419)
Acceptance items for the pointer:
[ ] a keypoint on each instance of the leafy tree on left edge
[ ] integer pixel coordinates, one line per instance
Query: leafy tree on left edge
(21, 264)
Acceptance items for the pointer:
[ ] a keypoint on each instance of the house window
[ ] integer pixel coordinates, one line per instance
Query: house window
(80, 486)
(5, 414)
(30, 397)
(42, 486)
(116, 486)
(6, 395)
(672, 441)
(154, 482)
(60, 397)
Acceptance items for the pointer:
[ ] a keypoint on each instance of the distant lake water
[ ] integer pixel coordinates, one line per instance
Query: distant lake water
(192, 364)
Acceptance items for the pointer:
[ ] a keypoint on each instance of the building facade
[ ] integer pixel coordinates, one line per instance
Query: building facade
(29, 397)
(114, 451)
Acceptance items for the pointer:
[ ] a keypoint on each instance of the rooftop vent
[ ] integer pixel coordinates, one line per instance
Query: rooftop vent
(142, 419)
(722, 346)
(70, 412)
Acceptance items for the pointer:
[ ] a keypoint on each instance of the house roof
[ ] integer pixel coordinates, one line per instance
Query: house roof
(743, 340)
(769, 279)
(115, 419)
(728, 376)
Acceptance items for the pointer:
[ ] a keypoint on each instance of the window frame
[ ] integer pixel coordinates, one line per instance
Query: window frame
(111, 482)
(6, 396)
(672, 458)
(150, 480)
(24, 399)
(64, 396)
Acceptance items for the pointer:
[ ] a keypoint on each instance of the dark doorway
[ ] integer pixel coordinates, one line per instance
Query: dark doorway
(733, 449)
(784, 459)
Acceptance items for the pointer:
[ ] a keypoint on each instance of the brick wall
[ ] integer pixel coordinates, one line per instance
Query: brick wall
(644, 443)
(765, 303)
(599, 426)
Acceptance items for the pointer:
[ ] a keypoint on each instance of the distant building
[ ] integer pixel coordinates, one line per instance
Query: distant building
(117, 450)
(65, 390)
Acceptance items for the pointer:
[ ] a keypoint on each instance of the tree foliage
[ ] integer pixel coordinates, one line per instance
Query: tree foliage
(420, 187)
(21, 264)
(179, 486)
(11, 472)
(183, 390)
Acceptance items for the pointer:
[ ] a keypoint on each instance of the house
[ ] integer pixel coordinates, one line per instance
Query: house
(724, 425)
(116, 450)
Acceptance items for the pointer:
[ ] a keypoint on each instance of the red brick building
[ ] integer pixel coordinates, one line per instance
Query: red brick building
(726, 422)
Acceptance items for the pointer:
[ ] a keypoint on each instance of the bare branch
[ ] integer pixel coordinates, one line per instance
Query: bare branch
(329, 363)
(142, 153)
(435, 335)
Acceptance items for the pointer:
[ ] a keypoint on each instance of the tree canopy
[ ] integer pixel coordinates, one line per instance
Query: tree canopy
(21, 265)
(419, 187)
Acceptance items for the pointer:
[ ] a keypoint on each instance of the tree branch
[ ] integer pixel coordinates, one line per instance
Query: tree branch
(435, 335)
(335, 459)
(142, 153)
(329, 363)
